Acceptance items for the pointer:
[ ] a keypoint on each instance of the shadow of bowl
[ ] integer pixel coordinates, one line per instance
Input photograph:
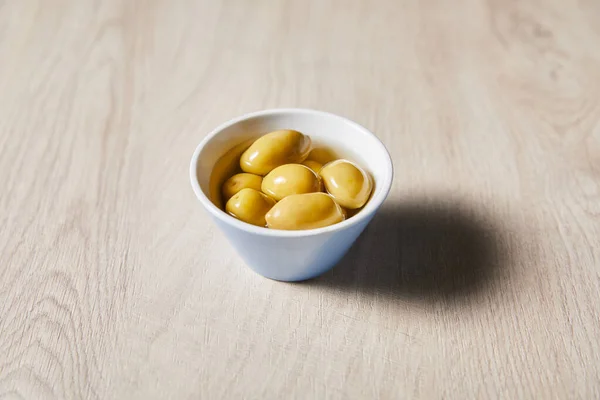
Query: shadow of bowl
(424, 250)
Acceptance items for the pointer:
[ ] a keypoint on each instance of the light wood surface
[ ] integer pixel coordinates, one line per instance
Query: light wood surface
(479, 279)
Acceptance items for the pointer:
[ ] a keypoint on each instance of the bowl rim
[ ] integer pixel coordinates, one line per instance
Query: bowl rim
(374, 203)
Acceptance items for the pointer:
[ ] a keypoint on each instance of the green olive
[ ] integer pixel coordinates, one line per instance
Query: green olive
(314, 165)
(290, 179)
(238, 182)
(322, 155)
(304, 211)
(275, 149)
(250, 205)
(348, 183)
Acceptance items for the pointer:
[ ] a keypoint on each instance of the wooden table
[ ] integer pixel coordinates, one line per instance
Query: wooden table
(480, 278)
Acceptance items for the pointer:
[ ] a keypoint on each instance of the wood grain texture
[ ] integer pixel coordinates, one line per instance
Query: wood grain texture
(480, 278)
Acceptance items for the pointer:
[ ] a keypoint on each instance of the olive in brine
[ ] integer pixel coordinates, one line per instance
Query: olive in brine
(314, 165)
(304, 211)
(322, 155)
(238, 182)
(250, 205)
(290, 179)
(348, 183)
(275, 149)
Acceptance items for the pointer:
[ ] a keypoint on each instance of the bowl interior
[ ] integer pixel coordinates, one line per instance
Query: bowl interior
(345, 137)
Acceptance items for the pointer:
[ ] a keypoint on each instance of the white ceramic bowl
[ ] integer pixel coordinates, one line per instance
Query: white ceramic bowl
(293, 255)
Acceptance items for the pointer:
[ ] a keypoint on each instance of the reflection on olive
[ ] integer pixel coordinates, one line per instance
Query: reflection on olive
(250, 205)
(290, 179)
(275, 149)
(238, 182)
(348, 183)
(304, 211)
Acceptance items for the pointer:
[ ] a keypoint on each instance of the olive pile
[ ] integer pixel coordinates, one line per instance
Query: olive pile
(286, 184)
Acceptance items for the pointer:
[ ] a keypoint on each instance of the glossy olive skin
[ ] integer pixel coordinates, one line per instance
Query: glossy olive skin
(290, 179)
(238, 182)
(304, 211)
(275, 149)
(314, 165)
(250, 205)
(349, 184)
